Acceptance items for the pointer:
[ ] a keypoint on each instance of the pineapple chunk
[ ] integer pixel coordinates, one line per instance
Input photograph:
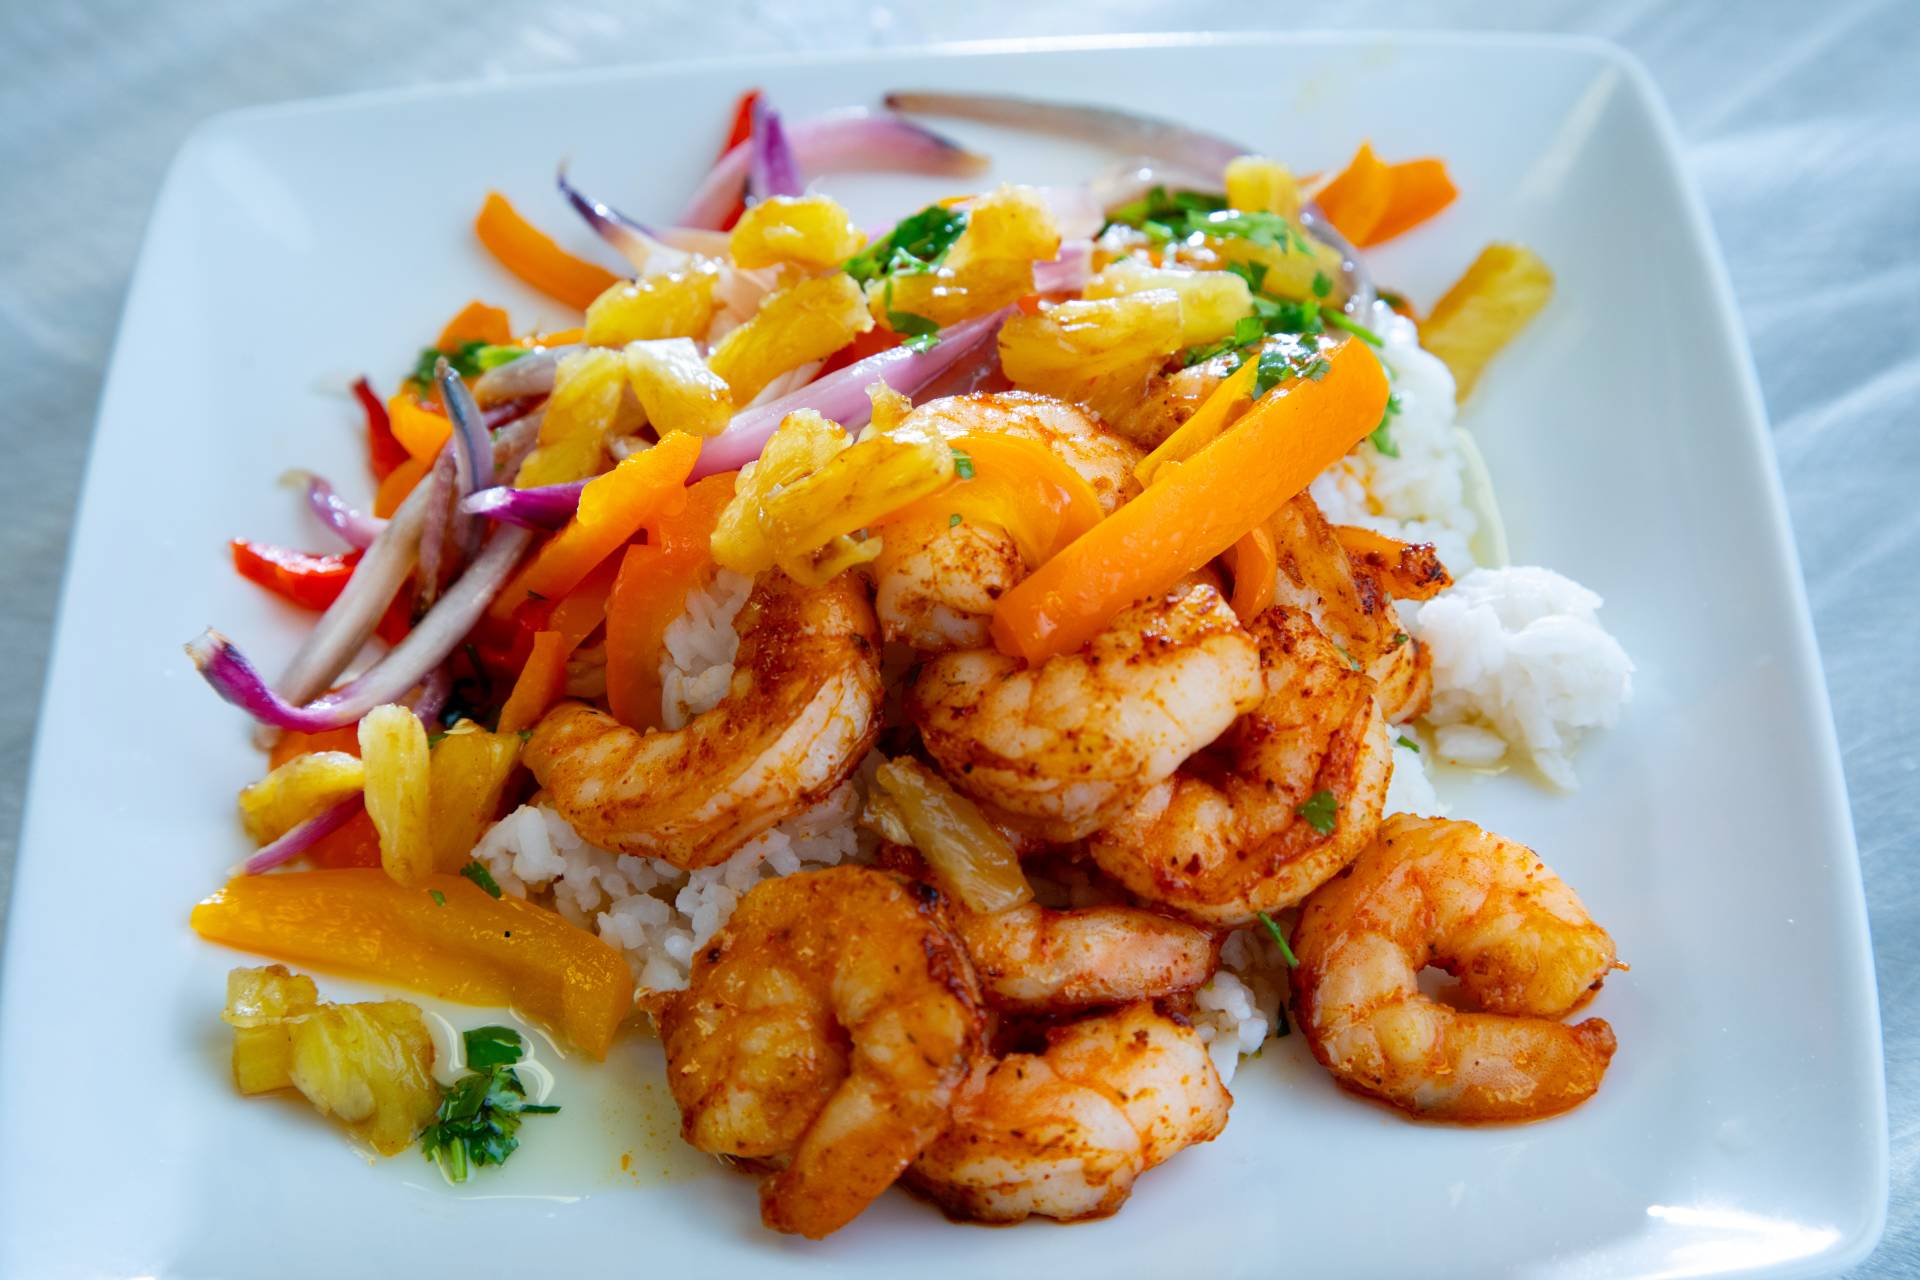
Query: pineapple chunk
(583, 411)
(298, 790)
(1259, 185)
(1012, 224)
(675, 387)
(368, 1065)
(811, 521)
(1290, 269)
(1211, 302)
(809, 320)
(890, 409)
(1504, 289)
(671, 304)
(813, 232)
(802, 444)
(1097, 352)
(947, 296)
(393, 744)
(467, 774)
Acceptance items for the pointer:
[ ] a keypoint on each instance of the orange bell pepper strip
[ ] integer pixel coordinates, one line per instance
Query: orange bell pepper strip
(1213, 416)
(1417, 190)
(558, 338)
(1017, 485)
(446, 937)
(399, 483)
(476, 322)
(1408, 570)
(422, 430)
(651, 591)
(529, 253)
(1197, 509)
(540, 685)
(613, 507)
(1254, 563)
(1357, 198)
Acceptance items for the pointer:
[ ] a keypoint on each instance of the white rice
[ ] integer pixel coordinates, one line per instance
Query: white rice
(700, 646)
(1521, 664)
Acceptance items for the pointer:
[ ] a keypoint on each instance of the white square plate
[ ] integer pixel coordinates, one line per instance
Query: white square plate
(1742, 1127)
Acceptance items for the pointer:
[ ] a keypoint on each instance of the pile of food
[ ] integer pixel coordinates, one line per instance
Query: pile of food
(964, 686)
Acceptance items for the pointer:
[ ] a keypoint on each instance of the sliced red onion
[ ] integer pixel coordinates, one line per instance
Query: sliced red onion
(514, 442)
(842, 396)
(433, 695)
(542, 507)
(435, 534)
(1076, 212)
(1102, 126)
(234, 678)
(473, 460)
(837, 142)
(305, 836)
(509, 411)
(1067, 273)
(633, 240)
(702, 241)
(531, 375)
(352, 526)
(771, 170)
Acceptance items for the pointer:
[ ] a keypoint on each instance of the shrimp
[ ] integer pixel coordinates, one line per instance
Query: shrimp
(1349, 601)
(1064, 747)
(1289, 795)
(826, 1028)
(802, 709)
(937, 581)
(1170, 397)
(1486, 910)
(1035, 960)
(1065, 1133)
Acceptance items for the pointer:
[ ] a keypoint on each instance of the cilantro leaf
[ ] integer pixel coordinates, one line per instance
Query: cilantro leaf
(1275, 364)
(919, 242)
(439, 898)
(1408, 743)
(478, 873)
(468, 360)
(1279, 938)
(963, 464)
(1322, 284)
(493, 1047)
(478, 1122)
(1321, 811)
(1341, 320)
(1382, 436)
(955, 520)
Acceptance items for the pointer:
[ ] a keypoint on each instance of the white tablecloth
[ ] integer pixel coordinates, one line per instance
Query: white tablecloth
(1802, 123)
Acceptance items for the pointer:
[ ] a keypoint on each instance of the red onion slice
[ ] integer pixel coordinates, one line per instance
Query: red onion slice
(305, 836)
(633, 240)
(771, 170)
(545, 507)
(1067, 273)
(1102, 126)
(842, 396)
(351, 525)
(531, 375)
(234, 678)
(834, 143)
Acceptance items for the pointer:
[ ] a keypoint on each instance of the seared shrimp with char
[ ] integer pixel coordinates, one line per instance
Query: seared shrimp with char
(1487, 911)
(802, 709)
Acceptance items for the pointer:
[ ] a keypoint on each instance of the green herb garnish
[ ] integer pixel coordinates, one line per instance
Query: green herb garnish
(1341, 320)
(469, 360)
(1274, 365)
(953, 521)
(1279, 938)
(1176, 215)
(963, 464)
(918, 243)
(1322, 285)
(478, 1122)
(1321, 811)
(1381, 436)
(1254, 272)
(1408, 743)
(1399, 638)
(477, 873)
(439, 898)
(921, 333)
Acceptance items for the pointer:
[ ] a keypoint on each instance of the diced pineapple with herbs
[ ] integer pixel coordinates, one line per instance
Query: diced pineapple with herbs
(467, 773)
(1096, 351)
(581, 414)
(367, 1066)
(677, 389)
(668, 304)
(812, 232)
(802, 445)
(946, 264)
(806, 321)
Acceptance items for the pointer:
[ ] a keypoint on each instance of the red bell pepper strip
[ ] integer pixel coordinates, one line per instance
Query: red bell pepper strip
(308, 580)
(741, 130)
(384, 451)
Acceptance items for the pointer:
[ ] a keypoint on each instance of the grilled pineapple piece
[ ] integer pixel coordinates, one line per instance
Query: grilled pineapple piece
(298, 790)
(393, 743)
(584, 409)
(1504, 289)
(812, 231)
(802, 445)
(811, 521)
(467, 773)
(370, 1066)
(675, 387)
(806, 321)
(1011, 224)
(1259, 185)
(674, 304)
(1211, 302)
(1097, 352)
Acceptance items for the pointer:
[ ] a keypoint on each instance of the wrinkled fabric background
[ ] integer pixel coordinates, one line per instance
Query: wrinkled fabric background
(1801, 124)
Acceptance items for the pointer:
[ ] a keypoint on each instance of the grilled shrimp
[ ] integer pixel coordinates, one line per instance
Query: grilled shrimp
(1035, 960)
(825, 1029)
(1170, 398)
(1064, 1134)
(802, 709)
(1487, 911)
(937, 581)
(1290, 794)
(1063, 747)
(1349, 601)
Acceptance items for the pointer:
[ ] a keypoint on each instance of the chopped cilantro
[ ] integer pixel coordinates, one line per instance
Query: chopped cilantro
(1341, 320)
(1408, 743)
(477, 873)
(919, 242)
(468, 360)
(1200, 355)
(953, 521)
(493, 1047)
(1321, 811)
(1276, 364)
(1398, 301)
(1279, 938)
(478, 1122)
(1176, 215)
(1322, 284)
(1351, 661)
(526, 735)
(1280, 316)
(963, 464)
(1253, 272)
(435, 739)
(1248, 330)
(1399, 638)
(439, 898)
(1382, 435)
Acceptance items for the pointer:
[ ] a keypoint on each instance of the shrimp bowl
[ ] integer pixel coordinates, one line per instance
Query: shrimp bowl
(961, 687)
